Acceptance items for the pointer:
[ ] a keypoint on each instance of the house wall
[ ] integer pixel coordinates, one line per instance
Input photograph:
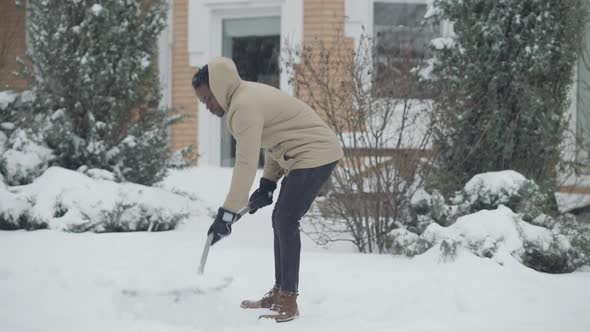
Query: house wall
(192, 42)
(323, 26)
(12, 44)
(323, 19)
(183, 100)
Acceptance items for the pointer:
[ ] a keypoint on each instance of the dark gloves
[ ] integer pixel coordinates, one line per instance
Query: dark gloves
(221, 226)
(262, 196)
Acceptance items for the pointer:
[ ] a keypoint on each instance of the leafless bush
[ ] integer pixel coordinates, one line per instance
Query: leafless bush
(372, 104)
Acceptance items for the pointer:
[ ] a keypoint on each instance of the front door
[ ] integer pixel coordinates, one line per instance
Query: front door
(254, 45)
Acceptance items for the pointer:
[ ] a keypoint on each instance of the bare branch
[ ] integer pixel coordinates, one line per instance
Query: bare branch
(386, 139)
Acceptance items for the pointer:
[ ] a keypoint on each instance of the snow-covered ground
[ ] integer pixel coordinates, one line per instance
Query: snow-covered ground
(58, 281)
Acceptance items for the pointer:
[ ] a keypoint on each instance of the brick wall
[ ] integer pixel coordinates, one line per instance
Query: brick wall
(183, 97)
(323, 33)
(323, 19)
(12, 43)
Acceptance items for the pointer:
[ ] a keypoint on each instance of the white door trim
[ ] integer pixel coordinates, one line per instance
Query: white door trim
(165, 53)
(205, 42)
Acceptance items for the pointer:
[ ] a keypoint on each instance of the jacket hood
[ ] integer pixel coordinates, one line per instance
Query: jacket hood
(224, 80)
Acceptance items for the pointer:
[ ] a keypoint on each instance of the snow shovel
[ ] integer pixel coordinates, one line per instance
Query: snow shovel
(242, 212)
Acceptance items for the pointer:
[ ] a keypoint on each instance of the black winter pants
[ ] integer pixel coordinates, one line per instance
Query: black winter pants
(298, 191)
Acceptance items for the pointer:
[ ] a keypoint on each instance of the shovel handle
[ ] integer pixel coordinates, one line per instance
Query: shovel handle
(244, 210)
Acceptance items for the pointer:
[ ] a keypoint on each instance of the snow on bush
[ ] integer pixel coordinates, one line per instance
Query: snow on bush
(492, 234)
(12, 106)
(578, 234)
(23, 153)
(483, 191)
(483, 232)
(496, 185)
(407, 243)
(14, 212)
(71, 201)
(497, 212)
(7, 98)
(3, 142)
(24, 158)
(509, 188)
(431, 208)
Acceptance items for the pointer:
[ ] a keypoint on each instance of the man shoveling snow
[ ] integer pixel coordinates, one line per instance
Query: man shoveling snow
(299, 147)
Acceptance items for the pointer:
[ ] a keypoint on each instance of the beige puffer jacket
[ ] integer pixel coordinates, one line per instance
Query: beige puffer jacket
(258, 115)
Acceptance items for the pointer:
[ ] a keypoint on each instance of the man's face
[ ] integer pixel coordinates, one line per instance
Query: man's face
(206, 97)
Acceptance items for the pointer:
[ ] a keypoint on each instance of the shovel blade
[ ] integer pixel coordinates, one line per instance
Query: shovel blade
(205, 253)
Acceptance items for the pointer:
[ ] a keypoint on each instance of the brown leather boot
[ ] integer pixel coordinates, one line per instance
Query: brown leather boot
(286, 309)
(269, 300)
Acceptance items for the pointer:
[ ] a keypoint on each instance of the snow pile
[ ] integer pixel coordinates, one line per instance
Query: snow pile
(97, 173)
(66, 200)
(484, 232)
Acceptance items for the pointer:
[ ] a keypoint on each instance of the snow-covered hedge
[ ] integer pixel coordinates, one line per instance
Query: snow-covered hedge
(32, 139)
(483, 191)
(15, 212)
(23, 152)
(509, 188)
(25, 157)
(495, 214)
(8, 100)
(12, 104)
(71, 201)
(101, 95)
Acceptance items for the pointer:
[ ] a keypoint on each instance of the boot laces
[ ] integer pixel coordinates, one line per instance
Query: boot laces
(267, 298)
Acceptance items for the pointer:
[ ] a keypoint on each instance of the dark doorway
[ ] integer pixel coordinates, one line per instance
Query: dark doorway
(254, 45)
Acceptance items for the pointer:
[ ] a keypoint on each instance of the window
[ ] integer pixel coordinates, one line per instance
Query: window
(401, 48)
